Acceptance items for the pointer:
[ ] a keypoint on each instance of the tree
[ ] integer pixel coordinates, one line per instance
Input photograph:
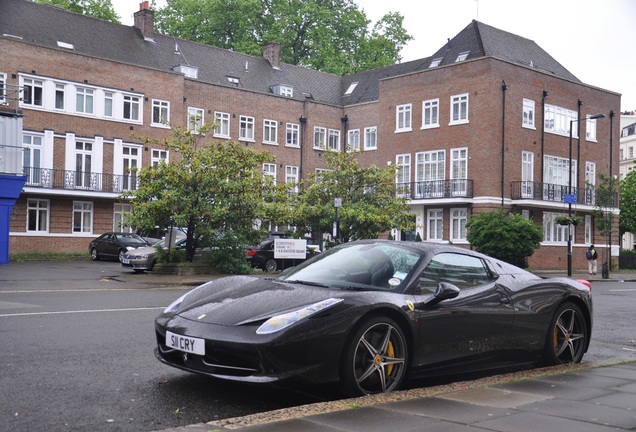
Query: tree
(605, 200)
(510, 238)
(331, 36)
(627, 220)
(102, 9)
(211, 188)
(369, 203)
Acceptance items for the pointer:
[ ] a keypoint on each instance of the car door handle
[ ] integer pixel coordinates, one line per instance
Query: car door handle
(504, 300)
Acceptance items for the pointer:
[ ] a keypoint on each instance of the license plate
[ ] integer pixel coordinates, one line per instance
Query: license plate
(185, 343)
(125, 261)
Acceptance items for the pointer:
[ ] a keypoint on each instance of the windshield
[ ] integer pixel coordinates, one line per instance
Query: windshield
(359, 266)
(131, 238)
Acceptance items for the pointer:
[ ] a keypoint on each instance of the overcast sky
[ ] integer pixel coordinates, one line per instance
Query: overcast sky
(593, 39)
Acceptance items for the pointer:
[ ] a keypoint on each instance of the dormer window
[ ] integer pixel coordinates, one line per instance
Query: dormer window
(283, 90)
(351, 88)
(234, 80)
(435, 62)
(462, 56)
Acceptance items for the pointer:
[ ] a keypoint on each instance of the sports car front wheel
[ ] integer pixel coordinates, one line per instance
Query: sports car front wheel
(567, 336)
(375, 358)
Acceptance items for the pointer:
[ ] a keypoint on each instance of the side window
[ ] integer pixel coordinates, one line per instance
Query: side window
(463, 271)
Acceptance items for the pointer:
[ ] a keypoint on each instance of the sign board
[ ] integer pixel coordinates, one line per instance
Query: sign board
(290, 248)
(569, 198)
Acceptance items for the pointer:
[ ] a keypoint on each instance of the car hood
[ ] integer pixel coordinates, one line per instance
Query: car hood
(242, 300)
(148, 250)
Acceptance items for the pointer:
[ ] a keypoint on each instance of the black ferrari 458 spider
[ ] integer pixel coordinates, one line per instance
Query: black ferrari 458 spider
(367, 314)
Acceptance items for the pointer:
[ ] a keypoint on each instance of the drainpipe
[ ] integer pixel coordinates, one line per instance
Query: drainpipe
(545, 95)
(504, 87)
(345, 122)
(578, 151)
(303, 125)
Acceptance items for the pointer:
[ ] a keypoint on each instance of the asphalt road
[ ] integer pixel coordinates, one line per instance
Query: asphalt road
(77, 344)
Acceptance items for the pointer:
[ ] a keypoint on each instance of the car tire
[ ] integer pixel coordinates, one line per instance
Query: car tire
(270, 266)
(120, 255)
(567, 336)
(94, 254)
(375, 358)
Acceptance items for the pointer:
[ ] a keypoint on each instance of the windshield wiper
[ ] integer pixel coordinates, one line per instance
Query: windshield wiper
(317, 284)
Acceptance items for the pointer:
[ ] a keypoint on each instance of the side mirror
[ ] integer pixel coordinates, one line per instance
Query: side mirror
(443, 292)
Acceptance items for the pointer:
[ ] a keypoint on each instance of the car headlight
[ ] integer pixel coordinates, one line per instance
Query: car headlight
(175, 304)
(279, 322)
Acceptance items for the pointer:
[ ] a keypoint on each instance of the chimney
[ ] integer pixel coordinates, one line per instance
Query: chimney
(145, 20)
(272, 52)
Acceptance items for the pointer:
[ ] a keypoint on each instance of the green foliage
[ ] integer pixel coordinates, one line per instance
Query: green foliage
(206, 188)
(627, 221)
(510, 238)
(102, 9)
(331, 36)
(369, 203)
(605, 200)
(228, 254)
(171, 255)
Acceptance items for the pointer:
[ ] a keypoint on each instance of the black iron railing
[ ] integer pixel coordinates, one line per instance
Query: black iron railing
(456, 188)
(553, 192)
(80, 180)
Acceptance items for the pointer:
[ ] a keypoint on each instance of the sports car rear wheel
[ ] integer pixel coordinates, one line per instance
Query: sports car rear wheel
(375, 358)
(567, 336)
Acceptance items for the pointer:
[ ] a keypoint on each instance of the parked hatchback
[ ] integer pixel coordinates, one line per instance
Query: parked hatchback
(113, 245)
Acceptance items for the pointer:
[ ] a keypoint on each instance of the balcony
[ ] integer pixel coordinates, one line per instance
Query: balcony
(552, 192)
(79, 180)
(436, 189)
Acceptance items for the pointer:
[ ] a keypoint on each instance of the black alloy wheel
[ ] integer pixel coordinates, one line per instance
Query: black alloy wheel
(567, 336)
(271, 265)
(375, 358)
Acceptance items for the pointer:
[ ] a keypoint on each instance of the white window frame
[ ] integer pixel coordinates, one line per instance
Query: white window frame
(320, 138)
(84, 211)
(590, 183)
(109, 98)
(333, 140)
(590, 129)
(557, 120)
(222, 124)
(59, 96)
(119, 217)
(459, 171)
(459, 109)
(158, 155)
(195, 119)
(430, 113)
(435, 225)
(529, 114)
(403, 174)
(436, 62)
(555, 172)
(291, 176)
(353, 140)
(84, 100)
(160, 113)
(41, 210)
(32, 155)
(132, 108)
(403, 118)
(462, 56)
(246, 128)
(459, 218)
(269, 170)
(370, 138)
(553, 233)
(32, 88)
(527, 174)
(292, 135)
(270, 132)
(588, 229)
(131, 163)
(430, 173)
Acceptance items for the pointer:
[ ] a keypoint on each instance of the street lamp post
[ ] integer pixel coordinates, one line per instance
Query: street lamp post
(569, 198)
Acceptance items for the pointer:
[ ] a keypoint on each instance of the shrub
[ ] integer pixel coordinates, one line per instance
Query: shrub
(228, 254)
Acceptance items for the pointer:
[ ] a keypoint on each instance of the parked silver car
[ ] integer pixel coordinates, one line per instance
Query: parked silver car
(144, 259)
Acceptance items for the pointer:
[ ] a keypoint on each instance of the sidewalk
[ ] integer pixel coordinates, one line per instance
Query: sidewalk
(594, 399)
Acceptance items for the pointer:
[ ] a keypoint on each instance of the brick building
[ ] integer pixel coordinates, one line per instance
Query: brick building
(483, 123)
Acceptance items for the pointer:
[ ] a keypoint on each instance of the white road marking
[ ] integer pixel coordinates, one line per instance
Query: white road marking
(623, 290)
(82, 311)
